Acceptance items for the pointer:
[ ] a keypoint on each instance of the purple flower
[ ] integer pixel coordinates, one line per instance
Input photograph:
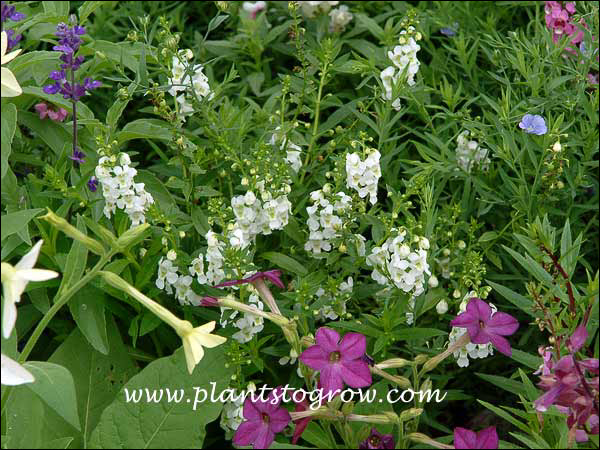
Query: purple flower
(274, 276)
(263, 421)
(484, 326)
(301, 424)
(378, 440)
(209, 301)
(484, 439)
(92, 184)
(338, 361)
(10, 12)
(577, 339)
(450, 31)
(78, 156)
(533, 124)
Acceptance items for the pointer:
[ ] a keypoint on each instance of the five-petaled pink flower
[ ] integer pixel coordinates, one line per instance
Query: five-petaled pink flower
(484, 439)
(264, 418)
(484, 326)
(338, 361)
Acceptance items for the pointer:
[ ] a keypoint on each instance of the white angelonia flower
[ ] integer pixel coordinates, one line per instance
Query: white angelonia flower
(121, 191)
(249, 325)
(404, 57)
(291, 359)
(389, 78)
(293, 151)
(469, 154)
(335, 302)
(13, 373)
(14, 282)
(340, 17)
(185, 87)
(324, 222)
(311, 9)
(363, 176)
(253, 8)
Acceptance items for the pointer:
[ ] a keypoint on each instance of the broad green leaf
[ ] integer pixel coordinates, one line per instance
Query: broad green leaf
(54, 385)
(98, 378)
(285, 262)
(9, 124)
(88, 8)
(165, 424)
(87, 308)
(14, 222)
(521, 302)
(57, 8)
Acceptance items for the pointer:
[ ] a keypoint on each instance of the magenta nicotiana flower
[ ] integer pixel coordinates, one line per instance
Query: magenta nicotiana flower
(338, 361)
(484, 326)
(57, 115)
(484, 439)
(570, 390)
(263, 420)
(376, 440)
(274, 276)
(533, 124)
(302, 423)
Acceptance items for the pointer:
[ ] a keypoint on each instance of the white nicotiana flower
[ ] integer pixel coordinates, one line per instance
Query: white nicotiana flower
(121, 191)
(10, 85)
(13, 373)
(340, 17)
(469, 154)
(470, 350)
(311, 9)
(14, 282)
(363, 176)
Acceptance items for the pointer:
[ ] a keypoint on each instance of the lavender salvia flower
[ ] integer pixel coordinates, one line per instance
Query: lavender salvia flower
(92, 184)
(9, 12)
(64, 79)
(533, 124)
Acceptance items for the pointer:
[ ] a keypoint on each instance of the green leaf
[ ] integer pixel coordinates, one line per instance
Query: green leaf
(527, 359)
(54, 385)
(36, 65)
(57, 8)
(285, 262)
(88, 8)
(165, 424)
(512, 386)
(83, 112)
(506, 416)
(14, 222)
(531, 266)
(9, 125)
(421, 334)
(145, 129)
(98, 378)
(76, 260)
(521, 302)
(87, 308)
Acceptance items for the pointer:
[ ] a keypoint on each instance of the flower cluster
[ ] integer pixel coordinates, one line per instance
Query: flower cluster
(324, 221)
(64, 79)
(192, 85)
(57, 115)
(396, 262)
(120, 189)
(312, 9)
(559, 20)
(404, 59)
(249, 324)
(254, 217)
(340, 17)
(233, 411)
(215, 260)
(293, 151)
(10, 12)
(363, 176)
(569, 388)
(469, 154)
(471, 350)
(333, 303)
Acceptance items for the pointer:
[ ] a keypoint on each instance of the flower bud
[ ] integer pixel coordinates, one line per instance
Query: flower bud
(433, 281)
(442, 307)
(132, 236)
(64, 226)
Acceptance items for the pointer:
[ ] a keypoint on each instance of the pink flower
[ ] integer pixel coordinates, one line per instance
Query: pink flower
(301, 424)
(274, 276)
(263, 420)
(484, 439)
(484, 326)
(338, 361)
(55, 115)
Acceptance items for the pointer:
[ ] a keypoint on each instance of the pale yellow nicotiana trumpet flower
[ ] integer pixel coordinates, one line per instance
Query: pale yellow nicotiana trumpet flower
(14, 281)
(14, 373)
(194, 339)
(10, 85)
